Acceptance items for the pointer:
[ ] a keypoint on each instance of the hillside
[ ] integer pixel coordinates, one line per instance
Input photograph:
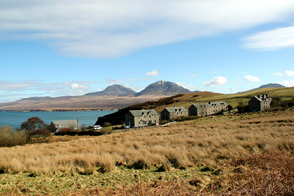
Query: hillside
(75, 103)
(185, 100)
(115, 90)
(163, 88)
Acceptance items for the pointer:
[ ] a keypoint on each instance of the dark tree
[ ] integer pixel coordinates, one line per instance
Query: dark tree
(32, 124)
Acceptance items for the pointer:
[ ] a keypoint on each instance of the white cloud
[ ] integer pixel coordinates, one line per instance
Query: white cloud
(249, 78)
(217, 81)
(285, 73)
(187, 86)
(77, 89)
(77, 86)
(271, 40)
(289, 83)
(152, 73)
(103, 29)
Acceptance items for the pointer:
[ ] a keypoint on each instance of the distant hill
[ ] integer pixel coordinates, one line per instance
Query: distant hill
(163, 88)
(115, 90)
(271, 85)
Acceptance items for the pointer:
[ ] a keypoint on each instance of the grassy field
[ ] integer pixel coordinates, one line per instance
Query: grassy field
(285, 94)
(238, 154)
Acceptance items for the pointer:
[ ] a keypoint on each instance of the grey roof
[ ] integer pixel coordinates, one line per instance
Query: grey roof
(138, 113)
(209, 105)
(262, 98)
(66, 123)
(172, 109)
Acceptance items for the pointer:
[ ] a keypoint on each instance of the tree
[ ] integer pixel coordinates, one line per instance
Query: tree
(32, 124)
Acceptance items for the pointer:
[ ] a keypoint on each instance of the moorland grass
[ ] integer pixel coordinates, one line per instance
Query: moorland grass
(202, 147)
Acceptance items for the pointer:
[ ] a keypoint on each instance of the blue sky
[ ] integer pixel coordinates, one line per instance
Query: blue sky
(73, 47)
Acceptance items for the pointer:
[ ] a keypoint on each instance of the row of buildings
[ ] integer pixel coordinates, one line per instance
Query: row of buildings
(137, 118)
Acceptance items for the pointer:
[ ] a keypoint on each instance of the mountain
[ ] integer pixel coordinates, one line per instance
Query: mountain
(162, 88)
(106, 99)
(271, 85)
(115, 90)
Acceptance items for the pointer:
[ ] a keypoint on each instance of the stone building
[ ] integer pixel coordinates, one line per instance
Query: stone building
(173, 112)
(205, 109)
(137, 118)
(69, 124)
(259, 103)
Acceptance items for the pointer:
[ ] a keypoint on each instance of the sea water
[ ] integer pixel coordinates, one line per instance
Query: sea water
(15, 119)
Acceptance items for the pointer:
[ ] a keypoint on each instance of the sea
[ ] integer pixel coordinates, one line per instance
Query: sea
(15, 119)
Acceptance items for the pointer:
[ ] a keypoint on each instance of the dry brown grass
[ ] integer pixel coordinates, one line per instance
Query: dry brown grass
(181, 145)
(268, 174)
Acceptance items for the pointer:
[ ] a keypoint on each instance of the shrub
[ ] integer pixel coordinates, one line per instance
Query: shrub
(40, 132)
(9, 137)
(107, 124)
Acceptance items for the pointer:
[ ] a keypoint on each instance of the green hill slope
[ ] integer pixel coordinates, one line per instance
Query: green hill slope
(186, 99)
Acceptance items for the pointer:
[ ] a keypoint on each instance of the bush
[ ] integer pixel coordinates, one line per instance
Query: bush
(9, 137)
(107, 124)
(40, 132)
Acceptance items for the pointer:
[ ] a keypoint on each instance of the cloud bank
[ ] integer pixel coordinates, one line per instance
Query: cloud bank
(271, 40)
(285, 73)
(105, 29)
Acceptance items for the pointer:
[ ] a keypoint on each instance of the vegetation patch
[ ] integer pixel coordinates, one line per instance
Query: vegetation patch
(213, 155)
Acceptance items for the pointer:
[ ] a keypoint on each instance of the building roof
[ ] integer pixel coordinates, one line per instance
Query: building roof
(138, 113)
(262, 98)
(172, 109)
(209, 105)
(66, 123)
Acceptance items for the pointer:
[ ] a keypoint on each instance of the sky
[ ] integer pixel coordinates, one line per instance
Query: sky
(73, 47)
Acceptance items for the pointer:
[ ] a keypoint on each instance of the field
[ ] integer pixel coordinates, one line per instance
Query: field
(285, 94)
(236, 154)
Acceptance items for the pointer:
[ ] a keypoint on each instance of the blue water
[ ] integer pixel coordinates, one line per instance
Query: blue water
(15, 119)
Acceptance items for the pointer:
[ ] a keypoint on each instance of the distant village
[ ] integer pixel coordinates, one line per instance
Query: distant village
(141, 118)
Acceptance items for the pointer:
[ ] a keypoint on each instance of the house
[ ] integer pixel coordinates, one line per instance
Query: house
(259, 103)
(137, 118)
(173, 112)
(205, 109)
(69, 124)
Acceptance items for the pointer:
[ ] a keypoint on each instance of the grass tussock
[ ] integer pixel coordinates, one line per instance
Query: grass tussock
(258, 174)
(9, 137)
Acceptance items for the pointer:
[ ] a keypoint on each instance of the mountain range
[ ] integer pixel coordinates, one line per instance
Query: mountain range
(156, 88)
(113, 97)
